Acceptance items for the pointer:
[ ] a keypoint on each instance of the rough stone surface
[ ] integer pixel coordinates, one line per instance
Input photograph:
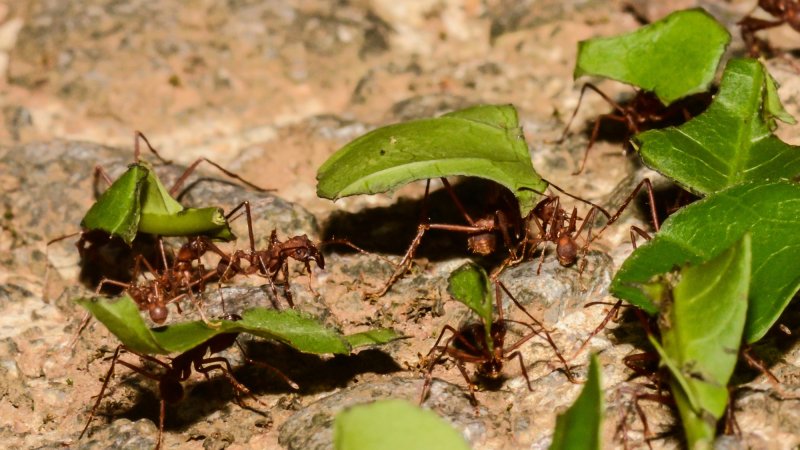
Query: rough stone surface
(270, 89)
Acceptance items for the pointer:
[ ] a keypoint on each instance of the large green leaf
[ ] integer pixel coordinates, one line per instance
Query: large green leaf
(482, 141)
(470, 285)
(299, 331)
(698, 232)
(673, 57)
(393, 424)
(578, 428)
(117, 210)
(701, 333)
(729, 143)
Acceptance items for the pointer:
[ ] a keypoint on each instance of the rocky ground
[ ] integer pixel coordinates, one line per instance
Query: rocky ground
(271, 89)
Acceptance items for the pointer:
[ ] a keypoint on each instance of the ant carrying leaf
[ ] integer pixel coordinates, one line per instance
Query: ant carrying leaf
(482, 343)
(661, 74)
(137, 202)
(178, 369)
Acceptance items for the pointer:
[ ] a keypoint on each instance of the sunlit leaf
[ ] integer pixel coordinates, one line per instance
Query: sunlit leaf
(301, 332)
(673, 57)
(483, 141)
(117, 210)
(578, 428)
(731, 142)
(701, 332)
(696, 233)
(393, 425)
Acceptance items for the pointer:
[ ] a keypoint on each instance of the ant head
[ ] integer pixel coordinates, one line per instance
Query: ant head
(170, 389)
(158, 313)
(492, 369)
(566, 250)
(482, 244)
(303, 249)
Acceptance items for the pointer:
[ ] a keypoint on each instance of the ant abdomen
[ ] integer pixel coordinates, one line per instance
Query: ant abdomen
(482, 244)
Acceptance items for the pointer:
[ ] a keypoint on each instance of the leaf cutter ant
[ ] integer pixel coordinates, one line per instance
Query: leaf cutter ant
(483, 344)
(179, 369)
(645, 111)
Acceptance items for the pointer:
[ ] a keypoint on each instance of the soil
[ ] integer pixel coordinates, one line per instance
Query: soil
(270, 90)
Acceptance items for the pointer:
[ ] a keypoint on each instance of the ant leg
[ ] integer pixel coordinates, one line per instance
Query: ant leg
(518, 355)
(189, 170)
(651, 197)
(102, 390)
(227, 371)
(473, 400)
(758, 364)
(643, 234)
(586, 86)
(613, 313)
(595, 133)
(404, 264)
(546, 333)
(249, 360)
(161, 415)
(136, 151)
(246, 205)
(87, 317)
(287, 289)
(457, 202)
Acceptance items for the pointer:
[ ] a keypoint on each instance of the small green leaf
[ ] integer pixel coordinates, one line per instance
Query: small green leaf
(122, 318)
(673, 57)
(696, 233)
(729, 143)
(701, 333)
(470, 285)
(301, 332)
(578, 428)
(393, 424)
(483, 141)
(117, 210)
(373, 337)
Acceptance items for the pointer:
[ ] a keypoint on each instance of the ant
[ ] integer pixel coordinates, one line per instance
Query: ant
(482, 239)
(472, 344)
(269, 263)
(179, 369)
(645, 111)
(785, 11)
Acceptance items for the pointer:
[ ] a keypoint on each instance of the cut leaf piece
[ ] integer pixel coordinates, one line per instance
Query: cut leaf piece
(299, 331)
(138, 202)
(373, 337)
(578, 428)
(673, 57)
(696, 233)
(470, 285)
(701, 334)
(482, 141)
(393, 424)
(731, 142)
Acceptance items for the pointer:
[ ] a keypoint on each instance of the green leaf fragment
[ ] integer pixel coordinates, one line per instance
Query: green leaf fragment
(578, 428)
(482, 141)
(301, 332)
(701, 334)
(674, 57)
(772, 104)
(393, 425)
(731, 142)
(117, 210)
(470, 285)
(373, 337)
(702, 230)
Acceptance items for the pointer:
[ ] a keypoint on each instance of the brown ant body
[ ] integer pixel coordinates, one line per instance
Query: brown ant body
(784, 11)
(643, 112)
(482, 232)
(270, 263)
(471, 344)
(179, 370)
